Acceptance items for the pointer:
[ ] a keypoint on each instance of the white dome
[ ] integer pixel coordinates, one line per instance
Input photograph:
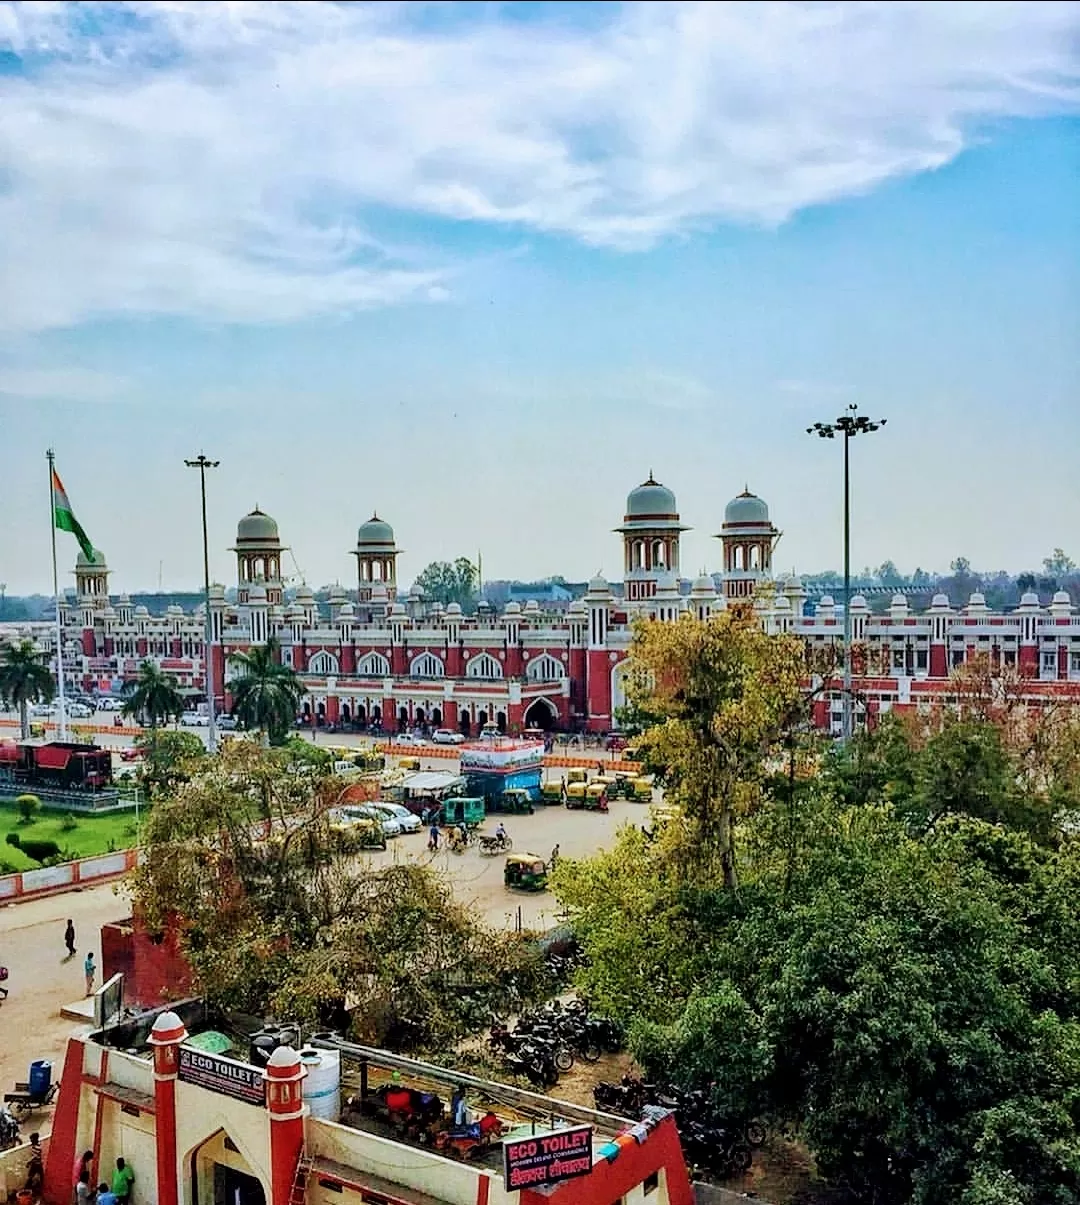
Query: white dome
(375, 531)
(746, 510)
(651, 500)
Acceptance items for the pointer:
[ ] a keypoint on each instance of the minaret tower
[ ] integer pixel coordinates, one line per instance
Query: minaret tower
(376, 561)
(748, 537)
(650, 531)
(258, 557)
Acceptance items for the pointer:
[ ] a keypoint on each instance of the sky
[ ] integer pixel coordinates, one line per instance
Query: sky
(481, 267)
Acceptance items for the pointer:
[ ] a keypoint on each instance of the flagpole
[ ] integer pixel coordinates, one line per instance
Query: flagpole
(51, 457)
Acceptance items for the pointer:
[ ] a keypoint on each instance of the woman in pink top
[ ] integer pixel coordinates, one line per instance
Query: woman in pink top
(82, 1164)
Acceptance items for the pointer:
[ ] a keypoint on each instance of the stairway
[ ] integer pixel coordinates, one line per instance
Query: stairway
(304, 1164)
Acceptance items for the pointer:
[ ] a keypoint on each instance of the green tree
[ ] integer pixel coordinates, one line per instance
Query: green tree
(25, 679)
(1058, 565)
(445, 582)
(170, 758)
(283, 915)
(266, 694)
(153, 698)
(722, 694)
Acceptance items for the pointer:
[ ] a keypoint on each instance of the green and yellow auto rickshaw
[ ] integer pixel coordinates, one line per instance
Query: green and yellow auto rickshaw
(575, 795)
(551, 792)
(596, 796)
(525, 872)
(641, 790)
(576, 774)
(516, 801)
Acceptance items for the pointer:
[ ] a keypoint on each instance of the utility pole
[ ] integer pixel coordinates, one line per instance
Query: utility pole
(849, 425)
(202, 464)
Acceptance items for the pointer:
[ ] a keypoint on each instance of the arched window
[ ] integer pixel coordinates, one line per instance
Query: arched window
(544, 669)
(374, 665)
(483, 665)
(323, 663)
(427, 665)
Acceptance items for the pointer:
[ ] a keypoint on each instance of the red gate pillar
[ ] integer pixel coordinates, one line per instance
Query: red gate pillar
(165, 1037)
(285, 1103)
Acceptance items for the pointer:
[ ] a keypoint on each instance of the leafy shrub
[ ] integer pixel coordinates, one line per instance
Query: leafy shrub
(27, 805)
(68, 824)
(36, 851)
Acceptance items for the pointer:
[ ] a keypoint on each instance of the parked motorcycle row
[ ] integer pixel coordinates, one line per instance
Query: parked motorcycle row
(548, 1040)
(711, 1144)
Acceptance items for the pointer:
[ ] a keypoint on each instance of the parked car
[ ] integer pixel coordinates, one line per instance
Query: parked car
(42, 710)
(130, 754)
(226, 723)
(446, 736)
(389, 825)
(79, 711)
(409, 738)
(110, 704)
(194, 719)
(408, 822)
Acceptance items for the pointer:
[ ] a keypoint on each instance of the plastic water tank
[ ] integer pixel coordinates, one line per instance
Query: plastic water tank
(322, 1084)
(40, 1077)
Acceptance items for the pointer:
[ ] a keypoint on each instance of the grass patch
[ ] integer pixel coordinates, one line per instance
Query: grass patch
(91, 834)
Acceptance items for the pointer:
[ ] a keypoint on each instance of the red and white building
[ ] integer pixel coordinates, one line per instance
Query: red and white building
(202, 1128)
(374, 654)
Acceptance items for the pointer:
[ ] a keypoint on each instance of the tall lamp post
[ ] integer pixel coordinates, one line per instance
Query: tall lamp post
(848, 425)
(202, 464)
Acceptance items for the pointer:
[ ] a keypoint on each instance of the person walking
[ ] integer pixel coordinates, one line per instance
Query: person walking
(122, 1180)
(554, 857)
(69, 938)
(83, 1164)
(89, 970)
(35, 1168)
(433, 837)
(84, 1194)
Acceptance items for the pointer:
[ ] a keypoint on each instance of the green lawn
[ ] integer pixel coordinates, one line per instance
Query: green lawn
(91, 835)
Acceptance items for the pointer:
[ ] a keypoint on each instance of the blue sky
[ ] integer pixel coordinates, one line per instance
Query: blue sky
(482, 267)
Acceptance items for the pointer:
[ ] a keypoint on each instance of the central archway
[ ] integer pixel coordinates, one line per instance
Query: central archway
(221, 1175)
(541, 714)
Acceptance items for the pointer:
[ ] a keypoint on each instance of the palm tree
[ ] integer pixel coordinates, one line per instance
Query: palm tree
(153, 695)
(25, 679)
(265, 693)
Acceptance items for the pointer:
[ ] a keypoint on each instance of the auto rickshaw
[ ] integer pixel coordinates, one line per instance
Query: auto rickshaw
(596, 797)
(525, 872)
(463, 810)
(577, 774)
(516, 801)
(609, 781)
(641, 790)
(551, 792)
(575, 795)
(409, 763)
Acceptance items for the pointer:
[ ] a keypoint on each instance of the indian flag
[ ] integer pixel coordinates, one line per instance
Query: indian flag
(64, 516)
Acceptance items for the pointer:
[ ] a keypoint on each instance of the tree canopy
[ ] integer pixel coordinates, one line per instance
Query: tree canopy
(25, 678)
(897, 977)
(153, 696)
(266, 694)
(450, 582)
(276, 908)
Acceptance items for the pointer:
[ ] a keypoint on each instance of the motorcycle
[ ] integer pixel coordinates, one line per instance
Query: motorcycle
(9, 1129)
(500, 843)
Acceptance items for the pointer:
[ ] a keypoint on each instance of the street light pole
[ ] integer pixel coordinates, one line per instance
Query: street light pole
(849, 425)
(202, 464)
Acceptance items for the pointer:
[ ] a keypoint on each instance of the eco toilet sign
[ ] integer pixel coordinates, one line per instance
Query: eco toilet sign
(226, 1076)
(547, 1158)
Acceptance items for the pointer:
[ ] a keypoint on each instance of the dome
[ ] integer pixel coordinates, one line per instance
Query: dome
(1061, 598)
(939, 602)
(303, 592)
(375, 531)
(704, 585)
(257, 528)
(453, 609)
(1030, 599)
(257, 593)
(82, 561)
(513, 607)
(746, 510)
(141, 612)
(577, 607)
(651, 500)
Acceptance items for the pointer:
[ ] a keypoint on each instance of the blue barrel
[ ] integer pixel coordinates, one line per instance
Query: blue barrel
(40, 1077)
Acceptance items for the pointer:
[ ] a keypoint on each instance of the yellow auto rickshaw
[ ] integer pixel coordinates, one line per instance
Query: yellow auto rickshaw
(551, 792)
(575, 795)
(576, 775)
(525, 872)
(596, 796)
(641, 790)
(409, 763)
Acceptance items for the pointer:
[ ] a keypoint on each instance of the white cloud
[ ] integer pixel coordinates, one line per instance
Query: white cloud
(223, 161)
(63, 384)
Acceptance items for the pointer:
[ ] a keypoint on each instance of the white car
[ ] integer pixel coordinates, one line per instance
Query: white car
(409, 822)
(409, 738)
(110, 704)
(389, 825)
(194, 719)
(79, 711)
(41, 710)
(445, 736)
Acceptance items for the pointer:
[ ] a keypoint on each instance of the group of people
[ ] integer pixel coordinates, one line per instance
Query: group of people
(118, 1192)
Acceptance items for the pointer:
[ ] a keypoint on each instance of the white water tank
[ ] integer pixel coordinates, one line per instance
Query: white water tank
(322, 1084)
